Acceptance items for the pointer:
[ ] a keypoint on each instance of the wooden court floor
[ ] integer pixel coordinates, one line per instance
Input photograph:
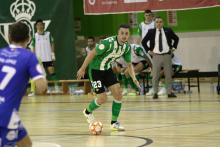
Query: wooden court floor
(191, 120)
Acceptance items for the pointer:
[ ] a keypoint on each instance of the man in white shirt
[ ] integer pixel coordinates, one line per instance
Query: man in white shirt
(147, 24)
(163, 41)
(43, 47)
(90, 44)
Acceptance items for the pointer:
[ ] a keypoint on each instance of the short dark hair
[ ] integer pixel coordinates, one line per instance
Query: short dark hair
(39, 21)
(158, 17)
(18, 32)
(126, 26)
(147, 11)
(91, 37)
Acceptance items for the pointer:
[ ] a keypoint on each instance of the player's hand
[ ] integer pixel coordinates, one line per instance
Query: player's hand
(80, 73)
(53, 56)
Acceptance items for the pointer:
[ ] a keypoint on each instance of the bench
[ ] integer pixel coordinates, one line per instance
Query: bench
(65, 85)
(189, 73)
(186, 73)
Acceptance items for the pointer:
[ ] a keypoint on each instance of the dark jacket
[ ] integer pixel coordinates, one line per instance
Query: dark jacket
(172, 39)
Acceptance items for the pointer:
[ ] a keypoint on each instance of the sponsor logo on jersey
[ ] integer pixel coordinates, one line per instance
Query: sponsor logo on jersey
(101, 46)
(12, 135)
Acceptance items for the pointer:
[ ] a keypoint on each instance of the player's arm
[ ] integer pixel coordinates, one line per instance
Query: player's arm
(127, 58)
(88, 59)
(53, 53)
(37, 74)
(98, 50)
(132, 74)
(52, 44)
(52, 47)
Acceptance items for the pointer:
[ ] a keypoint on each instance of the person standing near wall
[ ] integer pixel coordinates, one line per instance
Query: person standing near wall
(102, 76)
(17, 65)
(147, 24)
(163, 41)
(43, 47)
(90, 44)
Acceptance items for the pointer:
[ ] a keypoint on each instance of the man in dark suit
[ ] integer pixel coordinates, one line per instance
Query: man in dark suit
(163, 41)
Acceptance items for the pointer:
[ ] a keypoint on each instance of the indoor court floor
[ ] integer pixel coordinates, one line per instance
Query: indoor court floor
(190, 120)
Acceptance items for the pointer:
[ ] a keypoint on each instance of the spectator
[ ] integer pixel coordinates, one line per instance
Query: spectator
(90, 44)
(147, 24)
(43, 47)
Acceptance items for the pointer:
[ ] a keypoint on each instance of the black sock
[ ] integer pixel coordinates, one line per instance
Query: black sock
(112, 122)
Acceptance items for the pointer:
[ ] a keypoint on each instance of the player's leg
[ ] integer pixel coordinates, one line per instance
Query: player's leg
(7, 137)
(12, 137)
(138, 67)
(116, 107)
(93, 105)
(96, 79)
(51, 71)
(116, 104)
(113, 85)
(23, 140)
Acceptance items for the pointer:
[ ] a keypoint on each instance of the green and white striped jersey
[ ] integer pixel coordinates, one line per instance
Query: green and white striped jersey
(108, 50)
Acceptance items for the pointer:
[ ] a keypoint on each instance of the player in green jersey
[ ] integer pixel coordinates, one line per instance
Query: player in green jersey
(102, 76)
(140, 60)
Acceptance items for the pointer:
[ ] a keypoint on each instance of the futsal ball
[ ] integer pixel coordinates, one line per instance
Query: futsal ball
(95, 128)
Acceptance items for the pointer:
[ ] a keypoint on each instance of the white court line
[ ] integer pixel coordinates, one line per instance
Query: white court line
(45, 144)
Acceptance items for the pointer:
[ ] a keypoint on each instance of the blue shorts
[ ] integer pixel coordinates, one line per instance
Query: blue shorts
(9, 137)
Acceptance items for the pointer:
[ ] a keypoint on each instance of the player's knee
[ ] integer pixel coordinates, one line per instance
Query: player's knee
(102, 99)
(118, 95)
(50, 69)
(118, 98)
